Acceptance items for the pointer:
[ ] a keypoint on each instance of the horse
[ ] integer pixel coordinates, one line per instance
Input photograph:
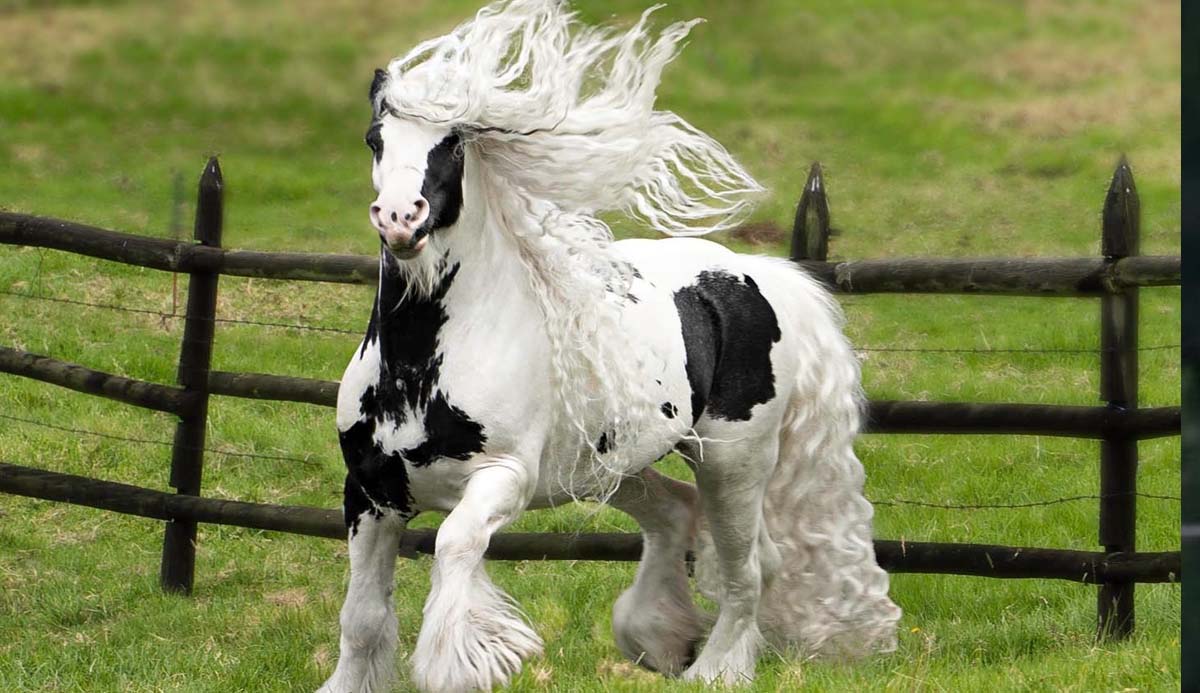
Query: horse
(519, 357)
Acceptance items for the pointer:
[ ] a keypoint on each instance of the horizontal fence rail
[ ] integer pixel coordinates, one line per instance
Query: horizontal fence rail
(1032, 276)
(176, 256)
(1021, 419)
(82, 379)
(883, 416)
(982, 560)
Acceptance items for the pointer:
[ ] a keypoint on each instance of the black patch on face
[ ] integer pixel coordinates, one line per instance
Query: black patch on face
(669, 410)
(374, 139)
(728, 331)
(442, 187)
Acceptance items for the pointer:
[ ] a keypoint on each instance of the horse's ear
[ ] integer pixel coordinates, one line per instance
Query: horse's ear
(377, 83)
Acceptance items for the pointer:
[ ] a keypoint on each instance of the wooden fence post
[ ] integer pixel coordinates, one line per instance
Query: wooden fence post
(195, 356)
(1119, 389)
(810, 230)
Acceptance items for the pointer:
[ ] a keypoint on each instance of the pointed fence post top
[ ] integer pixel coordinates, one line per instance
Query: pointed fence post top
(815, 183)
(810, 230)
(210, 205)
(211, 177)
(1122, 214)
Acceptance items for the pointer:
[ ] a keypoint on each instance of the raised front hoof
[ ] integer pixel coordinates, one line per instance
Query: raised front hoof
(662, 636)
(472, 655)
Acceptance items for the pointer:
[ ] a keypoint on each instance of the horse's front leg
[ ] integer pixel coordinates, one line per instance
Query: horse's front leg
(368, 643)
(473, 637)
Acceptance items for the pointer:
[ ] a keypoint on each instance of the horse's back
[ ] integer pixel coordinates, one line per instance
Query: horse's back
(746, 323)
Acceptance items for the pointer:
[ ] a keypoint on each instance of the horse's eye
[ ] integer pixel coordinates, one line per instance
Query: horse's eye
(374, 139)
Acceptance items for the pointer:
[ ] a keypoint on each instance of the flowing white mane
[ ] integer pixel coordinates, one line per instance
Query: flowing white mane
(566, 113)
(561, 117)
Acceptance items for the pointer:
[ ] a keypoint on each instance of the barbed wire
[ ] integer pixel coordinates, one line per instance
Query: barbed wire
(936, 350)
(179, 316)
(359, 332)
(148, 441)
(881, 502)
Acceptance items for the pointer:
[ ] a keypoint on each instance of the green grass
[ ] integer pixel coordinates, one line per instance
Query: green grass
(945, 128)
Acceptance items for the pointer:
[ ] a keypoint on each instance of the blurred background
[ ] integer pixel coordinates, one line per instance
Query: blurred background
(945, 128)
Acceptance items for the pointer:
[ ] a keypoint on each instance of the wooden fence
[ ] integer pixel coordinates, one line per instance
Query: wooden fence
(1113, 278)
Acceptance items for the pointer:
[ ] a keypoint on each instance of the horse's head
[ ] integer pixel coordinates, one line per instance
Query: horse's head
(418, 174)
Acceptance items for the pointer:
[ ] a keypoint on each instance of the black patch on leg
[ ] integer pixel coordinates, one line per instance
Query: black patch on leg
(354, 503)
(373, 477)
(728, 330)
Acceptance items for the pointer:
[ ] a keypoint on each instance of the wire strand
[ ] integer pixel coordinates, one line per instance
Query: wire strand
(177, 316)
(341, 330)
(147, 441)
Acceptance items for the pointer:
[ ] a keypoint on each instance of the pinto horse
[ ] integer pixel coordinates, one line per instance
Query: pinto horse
(518, 357)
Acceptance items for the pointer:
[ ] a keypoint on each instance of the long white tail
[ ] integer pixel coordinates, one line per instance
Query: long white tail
(829, 597)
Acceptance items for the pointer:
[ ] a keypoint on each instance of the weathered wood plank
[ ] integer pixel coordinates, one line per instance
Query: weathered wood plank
(810, 229)
(178, 566)
(274, 387)
(883, 416)
(895, 556)
(1119, 389)
(73, 376)
(1002, 276)
(889, 416)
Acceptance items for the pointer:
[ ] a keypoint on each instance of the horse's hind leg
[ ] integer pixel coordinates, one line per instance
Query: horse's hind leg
(733, 477)
(654, 622)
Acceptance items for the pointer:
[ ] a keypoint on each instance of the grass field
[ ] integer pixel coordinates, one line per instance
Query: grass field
(946, 128)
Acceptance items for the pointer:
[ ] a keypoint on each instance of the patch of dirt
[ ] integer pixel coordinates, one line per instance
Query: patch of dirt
(760, 233)
(292, 598)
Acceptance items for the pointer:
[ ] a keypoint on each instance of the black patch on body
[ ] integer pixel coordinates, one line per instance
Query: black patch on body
(669, 410)
(728, 332)
(409, 370)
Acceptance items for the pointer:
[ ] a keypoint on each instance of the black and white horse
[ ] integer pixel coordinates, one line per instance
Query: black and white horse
(518, 358)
